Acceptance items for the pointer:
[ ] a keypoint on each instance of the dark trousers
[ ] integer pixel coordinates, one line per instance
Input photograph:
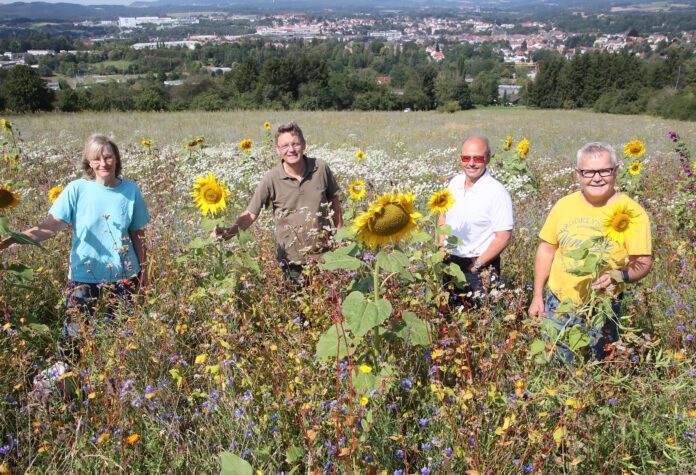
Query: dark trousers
(473, 279)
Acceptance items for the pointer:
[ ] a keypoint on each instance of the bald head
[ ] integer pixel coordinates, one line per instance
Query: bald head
(478, 142)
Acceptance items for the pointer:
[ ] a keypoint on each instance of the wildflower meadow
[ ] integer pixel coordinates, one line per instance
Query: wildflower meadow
(220, 366)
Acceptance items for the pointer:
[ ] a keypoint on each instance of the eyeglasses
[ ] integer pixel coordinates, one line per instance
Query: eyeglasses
(477, 159)
(294, 145)
(107, 159)
(603, 172)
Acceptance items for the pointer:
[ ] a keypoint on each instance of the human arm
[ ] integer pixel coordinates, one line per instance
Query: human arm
(337, 212)
(138, 241)
(243, 222)
(46, 230)
(441, 221)
(542, 269)
(500, 241)
(638, 267)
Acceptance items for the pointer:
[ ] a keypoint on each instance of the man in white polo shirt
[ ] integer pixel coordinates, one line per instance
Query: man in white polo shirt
(481, 215)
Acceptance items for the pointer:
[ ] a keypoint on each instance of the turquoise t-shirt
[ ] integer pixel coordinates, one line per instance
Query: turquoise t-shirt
(101, 219)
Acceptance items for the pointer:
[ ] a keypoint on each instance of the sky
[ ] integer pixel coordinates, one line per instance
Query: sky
(80, 2)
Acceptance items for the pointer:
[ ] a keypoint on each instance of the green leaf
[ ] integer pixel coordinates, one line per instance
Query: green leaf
(244, 237)
(437, 257)
(363, 315)
(578, 338)
(208, 224)
(537, 346)
(346, 232)
(293, 454)
(567, 306)
(415, 330)
(4, 225)
(455, 271)
(577, 254)
(364, 383)
(232, 464)
(333, 344)
(199, 243)
(394, 261)
(340, 259)
(21, 272)
(421, 236)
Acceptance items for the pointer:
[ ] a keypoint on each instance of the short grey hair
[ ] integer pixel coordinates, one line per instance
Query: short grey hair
(291, 128)
(485, 141)
(596, 148)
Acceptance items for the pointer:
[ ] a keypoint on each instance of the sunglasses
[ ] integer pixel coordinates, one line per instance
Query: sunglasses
(477, 159)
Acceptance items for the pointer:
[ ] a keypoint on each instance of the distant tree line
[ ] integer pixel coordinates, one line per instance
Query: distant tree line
(663, 84)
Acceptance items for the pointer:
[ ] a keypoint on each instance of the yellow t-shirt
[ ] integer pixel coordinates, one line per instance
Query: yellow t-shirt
(571, 222)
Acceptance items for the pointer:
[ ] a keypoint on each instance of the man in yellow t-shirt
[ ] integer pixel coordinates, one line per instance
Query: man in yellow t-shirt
(572, 221)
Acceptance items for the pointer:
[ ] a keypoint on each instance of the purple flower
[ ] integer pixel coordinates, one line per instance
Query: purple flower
(681, 328)
(399, 453)
(406, 384)
(425, 471)
(672, 136)
(689, 337)
(422, 422)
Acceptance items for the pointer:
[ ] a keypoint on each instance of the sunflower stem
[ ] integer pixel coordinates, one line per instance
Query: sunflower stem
(375, 283)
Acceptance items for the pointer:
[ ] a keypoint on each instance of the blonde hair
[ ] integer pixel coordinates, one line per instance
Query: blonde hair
(94, 146)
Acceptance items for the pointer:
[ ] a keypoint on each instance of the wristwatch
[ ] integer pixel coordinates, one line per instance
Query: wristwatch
(624, 275)
(477, 264)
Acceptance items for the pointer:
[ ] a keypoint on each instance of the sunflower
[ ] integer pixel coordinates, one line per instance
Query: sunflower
(523, 148)
(209, 194)
(246, 145)
(390, 218)
(360, 155)
(191, 143)
(508, 142)
(634, 148)
(267, 125)
(200, 140)
(54, 192)
(440, 201)
(8, 198)
(357, 190)
(6, 125)
(635, 168)
(619, 223)
(147, 143)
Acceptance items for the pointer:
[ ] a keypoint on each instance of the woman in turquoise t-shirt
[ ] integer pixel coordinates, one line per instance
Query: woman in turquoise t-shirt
(107, 215)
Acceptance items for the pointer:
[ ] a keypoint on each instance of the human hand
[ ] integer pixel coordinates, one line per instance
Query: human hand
(602, 282)
(536, 307)
(220, 233)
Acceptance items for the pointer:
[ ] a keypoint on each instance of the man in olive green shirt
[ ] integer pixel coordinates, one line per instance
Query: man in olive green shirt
(304, 196)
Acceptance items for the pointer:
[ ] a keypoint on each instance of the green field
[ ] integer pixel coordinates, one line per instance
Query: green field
(221, 360)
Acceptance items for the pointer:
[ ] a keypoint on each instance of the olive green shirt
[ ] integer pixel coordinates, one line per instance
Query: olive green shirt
(301, 208)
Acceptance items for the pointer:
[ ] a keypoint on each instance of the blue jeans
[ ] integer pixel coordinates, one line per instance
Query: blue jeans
(599, 337)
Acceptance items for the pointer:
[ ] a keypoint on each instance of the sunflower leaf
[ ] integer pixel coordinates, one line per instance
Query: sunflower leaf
(333, 344)
(415, 330)
(232, 464)
(363, 315)
(340, 259)
(578, 338)
(346, 232)
(394, 261)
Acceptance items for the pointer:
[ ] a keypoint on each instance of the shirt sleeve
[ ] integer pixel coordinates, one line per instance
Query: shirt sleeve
(549, 232)
(140, 214)
(64, 206)
(332, 188)
(501, 213)
(262, 195)
(639, 243)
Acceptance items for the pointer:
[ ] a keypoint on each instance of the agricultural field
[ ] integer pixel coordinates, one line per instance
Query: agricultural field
(221, 365)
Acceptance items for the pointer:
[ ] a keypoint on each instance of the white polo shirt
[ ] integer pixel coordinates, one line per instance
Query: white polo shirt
(478, 213)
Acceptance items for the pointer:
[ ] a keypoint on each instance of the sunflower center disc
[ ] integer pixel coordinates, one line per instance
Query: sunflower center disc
(211, 195)
(620, 223)
(394, 218)
(5, 199)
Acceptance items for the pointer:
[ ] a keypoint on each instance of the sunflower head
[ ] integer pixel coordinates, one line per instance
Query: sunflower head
(634, 148)
(357, 190)
(147, 143)
(508, 143)
(389, 219)
(209, 194)
(200, 140)
(267, 125)
(8, 198)
(635, 168)
(54, 192)
(360, 155)
(619, 223)
(441, 201)
(6, 125)
(246, 145)
(523, 148)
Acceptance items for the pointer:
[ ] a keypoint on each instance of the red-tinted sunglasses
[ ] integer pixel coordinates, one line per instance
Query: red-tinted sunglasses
(477, 159)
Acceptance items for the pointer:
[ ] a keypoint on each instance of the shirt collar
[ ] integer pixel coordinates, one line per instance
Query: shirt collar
(310, 167)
